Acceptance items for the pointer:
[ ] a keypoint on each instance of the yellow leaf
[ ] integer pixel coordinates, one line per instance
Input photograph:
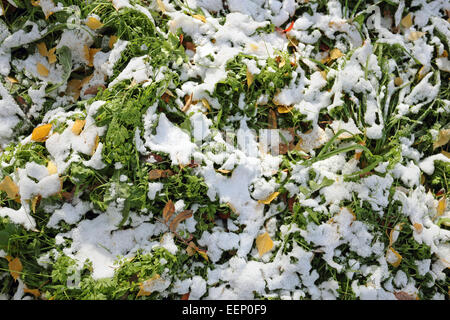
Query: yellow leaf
(206, 104)
(407, 21)
(12, 190)
(12, 80)
(232, 207)
(284, 109)
(414, 35)
(51, 168)
(78, 126)
(161, 5)
(112, 41)
(443, 139)
(94, 23)
(223, 171)
(34, 292)
(92, 53)
(442, 205)
(40, 133)
(192, 248)
(42, 70)
(445, 153)
(270, 198)
(15, 267)
(96, 142)
(323, 74)
(51, 56)
(335, 54)
(145, 288)
(42, 48)
(35, 3)
(34, 203)
(393, 257)
(250, 78)
(264, 244)
(199, 17)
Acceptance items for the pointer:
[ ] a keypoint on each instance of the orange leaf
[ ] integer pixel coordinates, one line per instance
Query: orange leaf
(78, 126)
(291, 25)
(42, 70)
(155, 174)
(40, 133)
(168, 210)
(15, 267)
(11, 189)
(335, 54)
(185, 296)
(145, 288)
(180, 217)
(418, 227)
(112, 41)
(270, 198)
(192, 248)
(74, 88)
(398, 81)
(264, 244)
(34, 292)
(393, 257)
(94, 23)
(92, 53)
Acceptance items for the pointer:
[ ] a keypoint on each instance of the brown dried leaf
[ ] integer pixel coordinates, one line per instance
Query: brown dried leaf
(186, 214)
(401, 295)
(272, 119)
(168, 210)
(112, 40)
(34, 292)
(188, 102)
(155, 174)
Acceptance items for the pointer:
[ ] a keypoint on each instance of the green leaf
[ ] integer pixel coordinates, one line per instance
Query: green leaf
(65, 59)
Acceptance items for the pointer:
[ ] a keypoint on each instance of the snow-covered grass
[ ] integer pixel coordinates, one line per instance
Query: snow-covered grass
(209, 149)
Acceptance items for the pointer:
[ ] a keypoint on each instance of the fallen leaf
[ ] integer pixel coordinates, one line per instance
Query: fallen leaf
(414, 35)
(206, 104)
(264, 243)
(270, 198)
(112, 41)
(335, 54)
(401, 295)
(51, 168)
(78, 126)
(289, 28)
(250, 78)
(407, 21)
(161, 5)
(445, 153)
(94, 23)
(442, 205)
(284, 109)
(34, 292)
(186, 214)
(15, 267)
(393, 235)
(190, 46)
(272, 119)
(92, 53)
(96, 142)
(223, 171)
(10, 187)
(145, 288)
(94, 90)
(168, 210)
(74, 88)
(35, 3)
(40, 133)
(42, 48)
(199, 17)
(155, 174)
(188, 103)
(443, 139)
(12, 80)
(418, 227)
(51, 56)
(192, 248)
(42, 70)
(393, 257)
(185, 296)
(34, 203)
